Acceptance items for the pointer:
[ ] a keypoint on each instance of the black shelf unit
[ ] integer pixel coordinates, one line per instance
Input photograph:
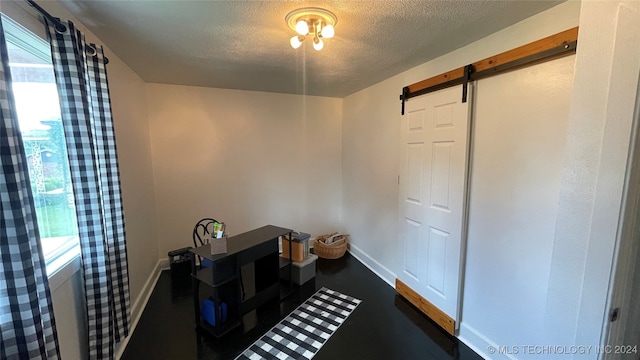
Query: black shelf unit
(285, 265)
(222, 281)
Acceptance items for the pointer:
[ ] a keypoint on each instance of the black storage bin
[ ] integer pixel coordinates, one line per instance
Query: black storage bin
(180, 264)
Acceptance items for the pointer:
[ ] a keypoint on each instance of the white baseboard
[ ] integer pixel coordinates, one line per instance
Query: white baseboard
(141, 303)
(383, 273)
(163, 264)
(482, 345)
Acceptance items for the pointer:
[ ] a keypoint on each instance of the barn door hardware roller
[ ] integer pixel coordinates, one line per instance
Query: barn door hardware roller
(553, 47)
(404, 97)
(463, 77)
(467, 77)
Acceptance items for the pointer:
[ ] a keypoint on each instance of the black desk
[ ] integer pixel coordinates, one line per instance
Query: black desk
(223, 277)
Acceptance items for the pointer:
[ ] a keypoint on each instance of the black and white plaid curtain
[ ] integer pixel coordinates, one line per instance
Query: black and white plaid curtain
(86, 115)
(27, 325)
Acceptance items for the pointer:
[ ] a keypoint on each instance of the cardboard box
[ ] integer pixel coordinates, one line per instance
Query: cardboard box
(301, 272)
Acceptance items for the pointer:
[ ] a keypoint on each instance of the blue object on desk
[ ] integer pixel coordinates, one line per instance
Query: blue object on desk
(205, 263)
(209, 312)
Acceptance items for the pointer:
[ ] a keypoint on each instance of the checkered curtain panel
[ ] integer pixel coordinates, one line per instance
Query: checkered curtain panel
(27, 325)
(88, 126)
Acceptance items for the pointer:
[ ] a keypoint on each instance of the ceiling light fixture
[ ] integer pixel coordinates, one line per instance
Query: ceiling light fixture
(312, 22)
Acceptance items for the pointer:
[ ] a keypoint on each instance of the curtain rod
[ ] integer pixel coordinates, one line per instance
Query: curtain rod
(57, 23)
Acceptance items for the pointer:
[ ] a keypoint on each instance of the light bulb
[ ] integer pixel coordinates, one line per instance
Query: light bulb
(317, 43)
(302, 27)
(296, 41)
(328, 31)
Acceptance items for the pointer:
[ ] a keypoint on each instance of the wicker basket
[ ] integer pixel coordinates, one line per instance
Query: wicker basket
(334, 250)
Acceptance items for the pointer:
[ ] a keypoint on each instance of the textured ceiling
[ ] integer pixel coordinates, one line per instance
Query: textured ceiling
(245, 44)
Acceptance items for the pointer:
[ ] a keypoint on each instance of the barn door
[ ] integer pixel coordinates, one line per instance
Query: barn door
(433, 187)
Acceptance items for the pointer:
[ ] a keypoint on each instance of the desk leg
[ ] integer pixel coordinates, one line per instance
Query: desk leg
(196, 291)
(290, 261)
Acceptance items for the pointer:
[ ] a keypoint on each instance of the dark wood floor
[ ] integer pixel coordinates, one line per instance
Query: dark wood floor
(384, 326)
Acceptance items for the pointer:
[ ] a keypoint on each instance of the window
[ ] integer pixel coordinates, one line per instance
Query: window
(38, 110)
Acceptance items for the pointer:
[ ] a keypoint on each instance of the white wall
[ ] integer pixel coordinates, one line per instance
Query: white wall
(371, 120)
(602, 106)
(69, 309)
(128, 99)
(370, 169)
(509, 284)
(246, 158)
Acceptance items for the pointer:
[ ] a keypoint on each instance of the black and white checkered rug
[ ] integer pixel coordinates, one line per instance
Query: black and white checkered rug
(303, 332)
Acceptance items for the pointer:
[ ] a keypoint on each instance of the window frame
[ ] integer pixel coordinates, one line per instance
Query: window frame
(65, 260)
